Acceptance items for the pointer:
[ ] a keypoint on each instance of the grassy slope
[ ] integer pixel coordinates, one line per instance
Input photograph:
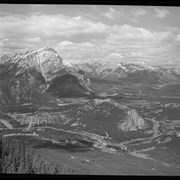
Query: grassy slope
(53, 159)
(97, 162)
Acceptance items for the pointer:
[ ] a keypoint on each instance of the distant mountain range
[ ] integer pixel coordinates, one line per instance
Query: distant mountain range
(39, 77)
(132, 73)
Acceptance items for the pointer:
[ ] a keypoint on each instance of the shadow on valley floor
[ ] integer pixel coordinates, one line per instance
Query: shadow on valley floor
(69, 147)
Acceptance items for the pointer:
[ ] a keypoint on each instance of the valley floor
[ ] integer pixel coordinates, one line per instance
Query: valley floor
(152, 151)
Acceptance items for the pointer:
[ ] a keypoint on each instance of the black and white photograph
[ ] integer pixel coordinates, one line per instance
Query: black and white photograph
(89, 89)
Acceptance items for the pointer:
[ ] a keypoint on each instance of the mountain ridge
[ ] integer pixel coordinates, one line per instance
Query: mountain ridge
(26, 76)
(133, 73)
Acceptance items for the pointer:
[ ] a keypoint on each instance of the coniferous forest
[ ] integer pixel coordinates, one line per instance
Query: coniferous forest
(18, 158)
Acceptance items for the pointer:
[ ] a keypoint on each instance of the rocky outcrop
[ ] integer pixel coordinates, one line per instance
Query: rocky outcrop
(132, 122)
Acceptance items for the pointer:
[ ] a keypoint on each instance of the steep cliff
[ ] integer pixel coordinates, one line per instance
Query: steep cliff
(132, 122)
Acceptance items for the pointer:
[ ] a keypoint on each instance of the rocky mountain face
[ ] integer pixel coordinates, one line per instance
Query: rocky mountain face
(37, 76)
(132, 122)
(132, 73)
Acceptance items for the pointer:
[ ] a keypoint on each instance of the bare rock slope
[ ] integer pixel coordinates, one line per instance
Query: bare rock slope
(33, 76)
(132, 122)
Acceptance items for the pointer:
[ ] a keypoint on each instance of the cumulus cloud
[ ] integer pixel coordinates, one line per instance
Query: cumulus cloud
(72, 51)
(60, 25)
(111, 14)
(29, 31)
(161, 13)
(140, 12)
(140, 41)
(127, 32)
(77, 17)
(135, 54)
(30, 39)
(121, 42)
(178, 37)
(6, 43)
(65, 43)
(81, 38)
(55, 25)
(116, 55)
(8, 47)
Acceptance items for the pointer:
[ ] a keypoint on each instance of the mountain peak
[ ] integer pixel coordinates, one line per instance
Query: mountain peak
(29, 75)
(46, 56)
(45, 59)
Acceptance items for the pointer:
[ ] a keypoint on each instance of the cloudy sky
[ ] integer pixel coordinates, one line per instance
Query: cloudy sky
(139, 34)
